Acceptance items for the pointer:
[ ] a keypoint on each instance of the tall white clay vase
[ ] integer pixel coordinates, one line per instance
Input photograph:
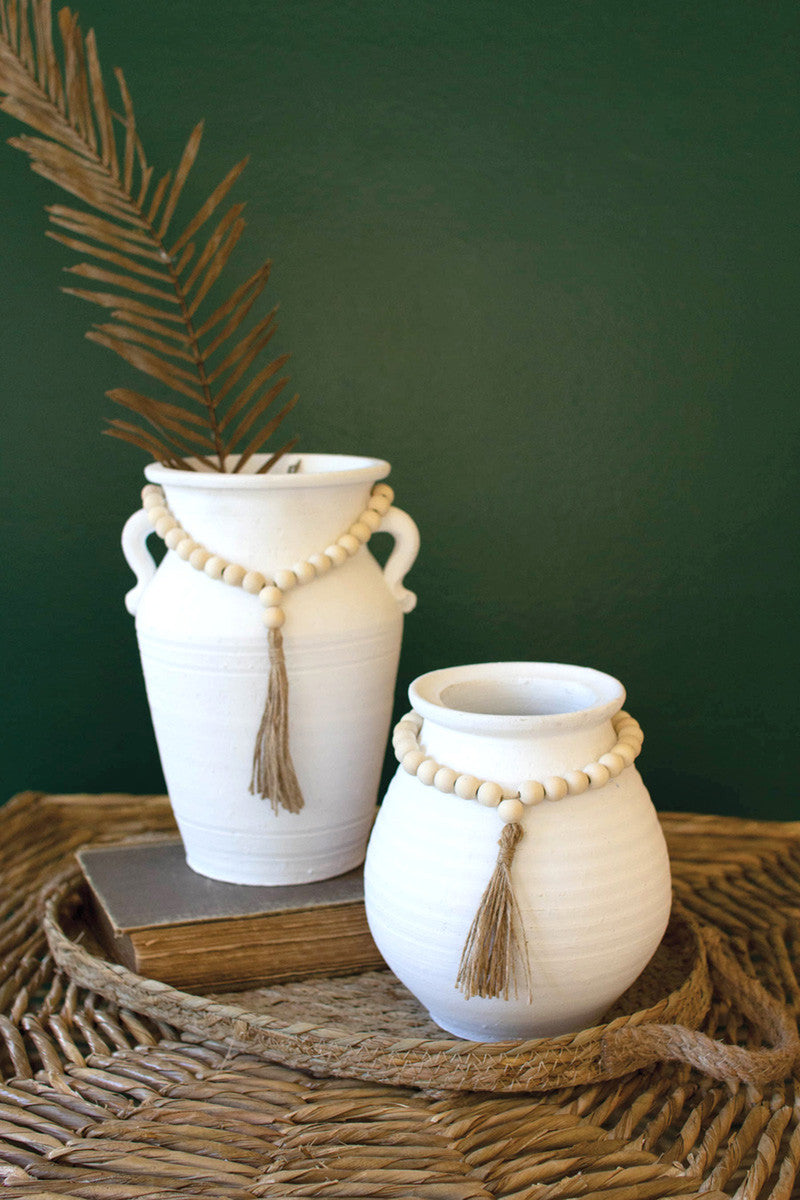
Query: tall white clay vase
(590, 872)
(204, 652)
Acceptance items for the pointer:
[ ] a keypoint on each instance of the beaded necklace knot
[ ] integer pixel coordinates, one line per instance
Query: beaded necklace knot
(494, 961)
(273, 776)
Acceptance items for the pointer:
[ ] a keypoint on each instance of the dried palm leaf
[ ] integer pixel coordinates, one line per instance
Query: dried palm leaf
(154, 279)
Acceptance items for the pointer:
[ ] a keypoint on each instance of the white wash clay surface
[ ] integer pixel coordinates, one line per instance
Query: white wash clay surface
(205, 659)
(590, 872)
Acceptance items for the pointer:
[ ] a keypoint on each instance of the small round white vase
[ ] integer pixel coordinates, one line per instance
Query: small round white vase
(590, 873)
(205, 659)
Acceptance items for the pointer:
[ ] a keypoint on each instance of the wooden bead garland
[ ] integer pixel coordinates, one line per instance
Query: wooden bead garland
(274, 776)
(494, 960)
(512, 802)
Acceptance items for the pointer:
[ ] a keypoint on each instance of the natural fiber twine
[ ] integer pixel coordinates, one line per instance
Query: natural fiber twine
(274, 777)
(495, 961)
(104, 1101)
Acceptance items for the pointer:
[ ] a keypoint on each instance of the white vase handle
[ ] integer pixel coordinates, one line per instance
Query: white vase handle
(134, 546)
(395, 522)
(406, 548)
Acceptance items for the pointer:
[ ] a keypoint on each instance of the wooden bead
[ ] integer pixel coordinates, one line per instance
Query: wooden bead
(531, 791)
(285, 580)
(490, 794)
(361, 531)
(598, 774)
(337, 554)
(404, 746)
(402, 733)
(271, 596)
(153, 500)
(151, 489)
(445, 779)
(253, 582)
(614, 763)
(408, 726)
(555, 788)
(174, 537)
(510, 810)
(156, 511)
(185, 548)
(380, 505)
(233, 575)
(348, 543)
(199, 557)
(626, 752)
(466, 786)
(383, 489)
(273, 618)
(403, 730)
(215, 566)
(412, 760)
(577, 782)
(371, 519)
(164, 524)
(321, 563)
(426, 771)
(304, 571)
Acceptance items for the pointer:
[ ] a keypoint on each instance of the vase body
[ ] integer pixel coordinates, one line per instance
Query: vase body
(590, 873)
(204, 653)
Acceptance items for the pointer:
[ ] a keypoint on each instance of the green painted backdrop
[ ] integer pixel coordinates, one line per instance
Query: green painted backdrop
(543, 257)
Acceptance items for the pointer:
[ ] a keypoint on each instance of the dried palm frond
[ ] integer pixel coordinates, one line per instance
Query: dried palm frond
(152, 279)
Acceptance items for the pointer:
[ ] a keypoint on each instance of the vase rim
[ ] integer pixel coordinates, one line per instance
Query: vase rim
(316, 470)
(509, 698)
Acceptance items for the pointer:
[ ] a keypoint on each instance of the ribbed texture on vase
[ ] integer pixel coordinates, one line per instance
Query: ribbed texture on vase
(591, 877)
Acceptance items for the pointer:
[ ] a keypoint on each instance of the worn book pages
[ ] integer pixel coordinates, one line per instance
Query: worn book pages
(163, 920)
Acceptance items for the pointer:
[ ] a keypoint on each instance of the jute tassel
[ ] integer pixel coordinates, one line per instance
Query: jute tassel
(495, 955)
(274, 777)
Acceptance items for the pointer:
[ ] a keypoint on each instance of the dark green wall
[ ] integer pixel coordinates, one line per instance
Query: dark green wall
(541, 256)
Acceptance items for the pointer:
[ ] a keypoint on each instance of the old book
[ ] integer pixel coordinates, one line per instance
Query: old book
(159, 918)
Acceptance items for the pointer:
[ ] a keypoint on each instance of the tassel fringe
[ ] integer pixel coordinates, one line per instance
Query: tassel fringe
(494, 961)
(274, 777)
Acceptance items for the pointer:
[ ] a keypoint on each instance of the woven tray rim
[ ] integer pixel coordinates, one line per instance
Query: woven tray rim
(541, 1064)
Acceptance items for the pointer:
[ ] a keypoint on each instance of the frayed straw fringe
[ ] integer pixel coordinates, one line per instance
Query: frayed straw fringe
(274, 776)
(494, 961)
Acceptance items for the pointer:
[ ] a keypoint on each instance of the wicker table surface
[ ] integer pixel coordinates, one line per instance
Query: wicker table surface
(98, 1101)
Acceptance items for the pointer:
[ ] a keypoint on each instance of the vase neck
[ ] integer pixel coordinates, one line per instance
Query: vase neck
(267, 529)
(514, 721)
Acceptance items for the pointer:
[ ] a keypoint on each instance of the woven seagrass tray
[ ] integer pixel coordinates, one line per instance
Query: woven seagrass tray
(100, 1100)
(368, 1026)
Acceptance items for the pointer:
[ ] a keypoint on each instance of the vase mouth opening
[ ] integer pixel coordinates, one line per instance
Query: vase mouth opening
(295, 471)
(510, 697)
